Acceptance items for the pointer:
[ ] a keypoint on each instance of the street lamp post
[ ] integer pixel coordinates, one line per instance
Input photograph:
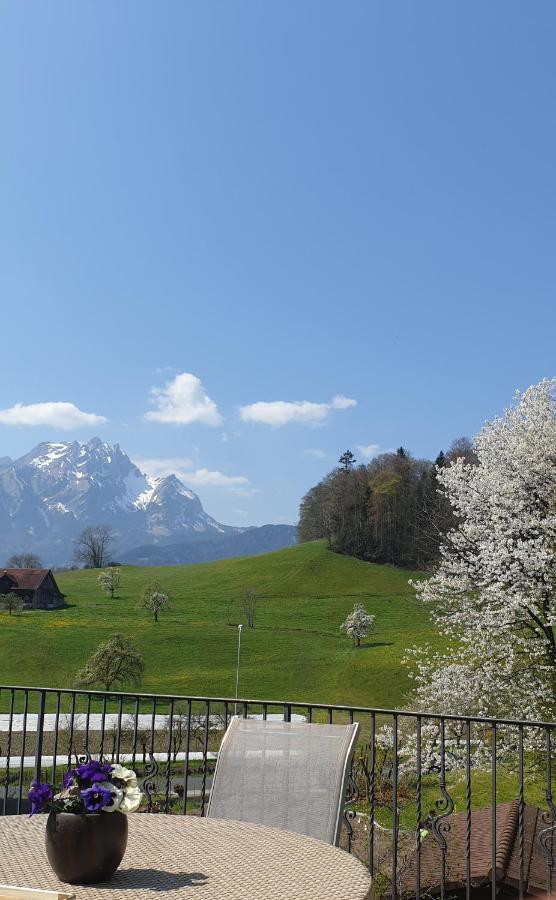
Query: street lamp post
(239, 627)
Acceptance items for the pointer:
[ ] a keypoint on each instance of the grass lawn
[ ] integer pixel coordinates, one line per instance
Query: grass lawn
(295, 651)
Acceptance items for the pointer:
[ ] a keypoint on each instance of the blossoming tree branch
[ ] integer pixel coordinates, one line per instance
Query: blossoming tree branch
(493, 595)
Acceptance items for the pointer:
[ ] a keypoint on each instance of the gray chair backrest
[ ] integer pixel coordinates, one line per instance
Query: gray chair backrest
(290, 775)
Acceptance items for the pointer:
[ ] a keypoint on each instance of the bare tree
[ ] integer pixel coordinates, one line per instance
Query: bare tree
(249, 601)
(71, 730)
(134, 732)
(24, 561)
(115, 661)
(462, 448)
(93, 545)
(11, 602)
(202, 727)
(109, 580)
(154, 599)
(175, 727)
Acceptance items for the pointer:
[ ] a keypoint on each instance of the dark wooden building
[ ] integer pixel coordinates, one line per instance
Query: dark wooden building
(36, 587)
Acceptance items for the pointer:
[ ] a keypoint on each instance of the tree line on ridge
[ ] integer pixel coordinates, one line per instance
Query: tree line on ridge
(390, 510)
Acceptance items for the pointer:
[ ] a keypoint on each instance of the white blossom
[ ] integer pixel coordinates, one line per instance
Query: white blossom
(358, 624)
(493, 595)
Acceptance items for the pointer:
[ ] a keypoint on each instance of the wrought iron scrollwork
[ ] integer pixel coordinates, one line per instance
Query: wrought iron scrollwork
(84, 756)
(444, 807)
(149, 783)
(352, 795)
(546, 836)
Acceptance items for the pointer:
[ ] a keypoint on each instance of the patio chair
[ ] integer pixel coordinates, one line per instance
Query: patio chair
(290, 775)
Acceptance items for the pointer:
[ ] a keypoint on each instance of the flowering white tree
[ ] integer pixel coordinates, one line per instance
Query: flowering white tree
(154, 600)
(109, 580)
(358, 624)
(493, 595)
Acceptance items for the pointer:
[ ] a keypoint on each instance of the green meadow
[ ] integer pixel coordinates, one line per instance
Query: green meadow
(295, 651)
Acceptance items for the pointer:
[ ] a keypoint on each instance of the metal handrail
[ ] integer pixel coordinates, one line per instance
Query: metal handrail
(401, 769)
(305, 704)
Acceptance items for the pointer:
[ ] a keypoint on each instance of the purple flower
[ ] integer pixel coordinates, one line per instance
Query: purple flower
(68, 778)
(40, 795)
(92, 772)
(94, 798)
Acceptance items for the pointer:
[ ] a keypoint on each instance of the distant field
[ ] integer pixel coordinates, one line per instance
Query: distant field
(295, 651)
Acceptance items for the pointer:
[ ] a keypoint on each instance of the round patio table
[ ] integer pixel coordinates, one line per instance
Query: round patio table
(191, 857)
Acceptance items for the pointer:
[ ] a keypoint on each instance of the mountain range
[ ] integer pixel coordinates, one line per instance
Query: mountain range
(51, 493)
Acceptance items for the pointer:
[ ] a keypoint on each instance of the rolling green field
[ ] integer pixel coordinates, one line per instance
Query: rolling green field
(295, 651)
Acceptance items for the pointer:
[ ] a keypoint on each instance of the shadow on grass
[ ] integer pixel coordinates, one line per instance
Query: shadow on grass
(365, 644)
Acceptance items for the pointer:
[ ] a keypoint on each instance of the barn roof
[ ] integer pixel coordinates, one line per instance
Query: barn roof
(507, 852)
(26, 579)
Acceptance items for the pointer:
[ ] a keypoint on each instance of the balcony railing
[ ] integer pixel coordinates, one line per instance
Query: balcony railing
(437, 804)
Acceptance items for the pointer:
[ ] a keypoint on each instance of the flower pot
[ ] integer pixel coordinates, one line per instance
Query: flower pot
(85, 849)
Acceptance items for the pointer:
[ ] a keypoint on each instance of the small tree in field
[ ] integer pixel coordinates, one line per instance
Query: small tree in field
(154, 600)
(115, 661)
(249, 601)
(11, 603)
(109, 580)
(358, 624)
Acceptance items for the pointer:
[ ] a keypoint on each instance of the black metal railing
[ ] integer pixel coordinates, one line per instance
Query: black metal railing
(439, 805)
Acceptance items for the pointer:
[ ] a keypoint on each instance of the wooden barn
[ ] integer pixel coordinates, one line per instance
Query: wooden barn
(36, 587)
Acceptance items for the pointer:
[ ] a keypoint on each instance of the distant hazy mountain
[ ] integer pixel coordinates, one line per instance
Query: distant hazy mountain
(51, 493)
(250, 542)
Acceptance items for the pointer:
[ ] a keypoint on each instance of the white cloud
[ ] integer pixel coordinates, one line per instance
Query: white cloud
(314, 453)
(203, 477)
(160, 468)
(341, 402)
(182, 401)
(368, 450)
(281, 412)
(214, 478)
(64, 416)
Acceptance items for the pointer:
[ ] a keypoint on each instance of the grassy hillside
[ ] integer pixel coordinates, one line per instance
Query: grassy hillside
(295, 651)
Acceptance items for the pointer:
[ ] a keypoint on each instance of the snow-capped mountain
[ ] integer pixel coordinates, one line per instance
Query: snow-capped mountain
(51, 493)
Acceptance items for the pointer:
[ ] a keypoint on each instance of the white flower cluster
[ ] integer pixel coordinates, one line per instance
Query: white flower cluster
(126, 794)
(494, 593)
(358, 624)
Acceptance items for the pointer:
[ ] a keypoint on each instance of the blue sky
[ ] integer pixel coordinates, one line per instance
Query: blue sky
(242, 203)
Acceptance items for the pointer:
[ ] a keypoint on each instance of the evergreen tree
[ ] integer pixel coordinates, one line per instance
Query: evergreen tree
(347, 461)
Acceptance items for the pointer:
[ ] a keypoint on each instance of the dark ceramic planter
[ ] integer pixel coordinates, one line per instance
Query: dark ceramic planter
(85, 849)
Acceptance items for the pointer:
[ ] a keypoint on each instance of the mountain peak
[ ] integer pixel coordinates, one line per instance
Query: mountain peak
(171, 485)
(51, 493)
(94, 443)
